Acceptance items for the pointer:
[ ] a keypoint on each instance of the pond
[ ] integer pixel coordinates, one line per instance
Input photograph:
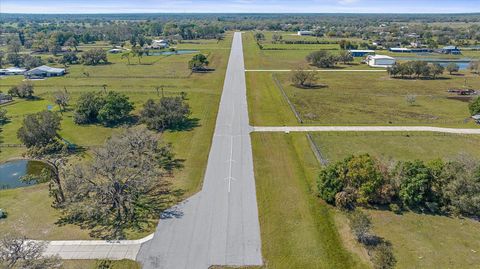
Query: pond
(177, 52)
(462, 63)
(11, 173)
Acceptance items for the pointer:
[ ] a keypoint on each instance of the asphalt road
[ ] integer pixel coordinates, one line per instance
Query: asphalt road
(219, 225)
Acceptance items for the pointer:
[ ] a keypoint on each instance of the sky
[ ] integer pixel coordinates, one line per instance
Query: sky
(239, 6)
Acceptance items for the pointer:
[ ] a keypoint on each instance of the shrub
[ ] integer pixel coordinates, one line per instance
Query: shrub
(395, 208)
(474, 107)
(3, 214)
(361, 224)
(382, 257)
(168, 113)
(345, 200)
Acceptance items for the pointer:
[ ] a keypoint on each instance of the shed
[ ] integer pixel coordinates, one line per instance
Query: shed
(45, 71)
(12, 71)
(380, 61)
(400, 50)
(361, 53)
(451, 50)
(303, 32)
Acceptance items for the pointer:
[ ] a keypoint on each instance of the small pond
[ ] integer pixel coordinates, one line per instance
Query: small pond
(12, 172)
(462, 63)
(177, 52)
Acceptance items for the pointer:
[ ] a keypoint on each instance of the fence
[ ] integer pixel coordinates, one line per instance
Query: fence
(316, 151)
(292, 107)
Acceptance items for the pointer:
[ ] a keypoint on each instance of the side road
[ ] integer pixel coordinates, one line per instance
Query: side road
(365, 129)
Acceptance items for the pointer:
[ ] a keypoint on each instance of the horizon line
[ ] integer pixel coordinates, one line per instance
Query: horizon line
(233, 13)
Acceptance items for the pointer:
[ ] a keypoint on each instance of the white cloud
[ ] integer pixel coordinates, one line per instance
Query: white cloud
(347, 2)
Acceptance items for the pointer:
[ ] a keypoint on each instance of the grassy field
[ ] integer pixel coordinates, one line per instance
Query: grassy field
(397, 146)
(361, 99)
(297, 229)
(92, 264)
(419, 241)
(138, 81)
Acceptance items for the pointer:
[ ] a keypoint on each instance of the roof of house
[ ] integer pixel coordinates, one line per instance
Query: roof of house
(377, 57)
(47, 69)
(365, 51)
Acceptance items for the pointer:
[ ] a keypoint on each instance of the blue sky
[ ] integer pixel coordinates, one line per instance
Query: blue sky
(239, 6)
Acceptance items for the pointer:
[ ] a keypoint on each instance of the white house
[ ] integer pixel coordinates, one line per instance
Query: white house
(158, 44)
(45, 71)
(380, 61)
(302, 33)
(12, 71)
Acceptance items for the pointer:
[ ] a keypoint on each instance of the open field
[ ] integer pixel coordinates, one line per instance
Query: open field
(397, 146)
(93, 264)
(138, 81)
(419, 240)
(361, 98)
(298, 230)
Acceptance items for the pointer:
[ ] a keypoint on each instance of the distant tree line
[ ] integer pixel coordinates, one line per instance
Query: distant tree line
(417, 69)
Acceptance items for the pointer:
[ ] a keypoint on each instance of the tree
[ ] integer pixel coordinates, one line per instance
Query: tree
(69, 57)
(127, 55)
(474, 106)
(304, 78)
(72, 43)
(474, 66)
(276, 38)
(420, 68)
(169, 112)
(394, 70)
(2, 56)
(452, 68)
(436, 69)
(411, 99)
(61, 98)
(13, 49)
(116, 108)
(39, 129)
(123, 187)
(136, 52)
(30, 62)
(259, 36)
(198, 62)
(23, 90)
(416, 182)
(329, 183)
(322, 59)
(3, 116)
(94, 57)
(87, 108)
(345, 57)
(19, 252)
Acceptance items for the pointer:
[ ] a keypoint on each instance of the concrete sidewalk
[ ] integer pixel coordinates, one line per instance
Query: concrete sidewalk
(364, 129)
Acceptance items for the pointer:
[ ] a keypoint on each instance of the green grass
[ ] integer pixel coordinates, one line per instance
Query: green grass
(397, 146)
(297, 229)
(426, 241)
(138, 81)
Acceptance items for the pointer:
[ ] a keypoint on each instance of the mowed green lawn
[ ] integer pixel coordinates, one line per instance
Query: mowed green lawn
(297, 229)
(93, 264)
(138, 81)
(419, 240)
(361, 98)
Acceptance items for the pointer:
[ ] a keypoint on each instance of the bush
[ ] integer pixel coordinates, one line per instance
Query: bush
(3, 214)
(345, 200)
(108, 109)
(168, 113)
(23, 90)
(322, 59)
(395, 208)
(382, 257)
(474, 107)
(361, 224)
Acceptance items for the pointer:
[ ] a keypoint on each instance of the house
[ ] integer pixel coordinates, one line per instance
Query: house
(451, 50)
(400, 50)
(361, 53)
(44, 71)
(5, 98)
(380, 61)
(303, 33)
(158, 44)
(12, 71)
(476, 118)
(115, 51)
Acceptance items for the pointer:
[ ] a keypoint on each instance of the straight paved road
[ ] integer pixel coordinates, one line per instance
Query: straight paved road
(219, 225)
(364, 129)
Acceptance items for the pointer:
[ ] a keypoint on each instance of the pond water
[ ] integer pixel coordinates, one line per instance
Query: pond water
(177, 52)
(462, 63)
(11, 173)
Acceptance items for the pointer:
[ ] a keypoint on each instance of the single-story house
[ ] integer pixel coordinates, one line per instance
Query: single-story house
(5, 98)
(451, 50)
(302, 33)
(361, 53)
(476, 118)
(115, 51)
(45, 71)
(12, 71)
(400, 50)
(158, 44)
(380, 61)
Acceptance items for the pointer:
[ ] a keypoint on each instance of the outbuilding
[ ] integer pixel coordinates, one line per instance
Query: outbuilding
(476, 118)
(380, 61)
(5, 98)
(302, 33)
(45, 71)
(158, 44)
(400, 50)
(451, 50)
(361, 53)
(12, 71)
